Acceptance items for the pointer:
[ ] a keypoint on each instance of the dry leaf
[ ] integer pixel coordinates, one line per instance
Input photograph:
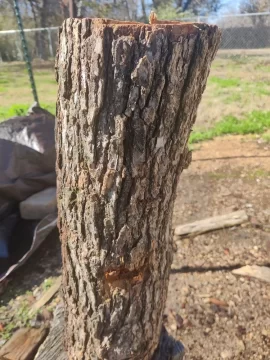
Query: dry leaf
(218, 302)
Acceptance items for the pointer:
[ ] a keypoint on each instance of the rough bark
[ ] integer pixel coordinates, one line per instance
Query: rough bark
(53, 347)
(127, 100)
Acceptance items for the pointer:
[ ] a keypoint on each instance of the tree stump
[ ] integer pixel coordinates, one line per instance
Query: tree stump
(127, 100)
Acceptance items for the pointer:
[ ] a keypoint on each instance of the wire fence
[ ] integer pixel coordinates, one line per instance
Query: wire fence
(241, 33)
(42, 44)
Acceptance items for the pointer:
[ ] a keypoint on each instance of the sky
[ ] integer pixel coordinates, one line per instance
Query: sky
(230, 5)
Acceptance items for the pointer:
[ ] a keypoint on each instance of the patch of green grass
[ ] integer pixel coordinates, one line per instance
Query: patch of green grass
(4, 81)
(47, 284)
(22, 320)
(198, 136)
(224, 175)
(263, 66)
(236, 91)
(21, 109)
(49, 107)
(254, 123)
(223, 82)
(15, 86)
(262, 91)
(258, 173)
(233, 97)
(14, 110)
(240, 60)
(266, 137)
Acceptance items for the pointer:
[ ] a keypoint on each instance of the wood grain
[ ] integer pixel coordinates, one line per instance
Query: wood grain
(23, 345)
(213, 223)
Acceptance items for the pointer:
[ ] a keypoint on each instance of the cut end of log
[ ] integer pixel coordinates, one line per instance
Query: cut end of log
(129, 27)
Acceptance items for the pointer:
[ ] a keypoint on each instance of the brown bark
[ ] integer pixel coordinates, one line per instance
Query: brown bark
(127, 100)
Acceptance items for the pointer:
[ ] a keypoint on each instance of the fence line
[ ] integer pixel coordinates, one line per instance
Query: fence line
(29, 30)
(239, 31)
(223, 16)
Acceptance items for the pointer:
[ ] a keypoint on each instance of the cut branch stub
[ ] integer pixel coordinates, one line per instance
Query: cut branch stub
(127, 100)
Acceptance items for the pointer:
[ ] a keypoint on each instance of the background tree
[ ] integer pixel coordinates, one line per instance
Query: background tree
(47, 13)
(196, 7)
(254, 6)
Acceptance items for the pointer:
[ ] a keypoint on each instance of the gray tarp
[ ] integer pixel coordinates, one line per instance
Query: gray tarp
(27, 166)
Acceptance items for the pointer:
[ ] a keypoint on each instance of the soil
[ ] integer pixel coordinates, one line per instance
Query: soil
(216, 314)
(26, 286)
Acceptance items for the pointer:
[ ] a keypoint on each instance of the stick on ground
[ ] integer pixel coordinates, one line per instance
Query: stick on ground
(213, 223)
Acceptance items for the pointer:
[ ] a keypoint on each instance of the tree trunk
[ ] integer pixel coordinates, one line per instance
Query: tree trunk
(144, 17)
(127, 100)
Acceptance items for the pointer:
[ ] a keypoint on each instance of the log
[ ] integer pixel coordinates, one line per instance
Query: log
(211, 224)
(257, 272)
(23, 345)
(53, 347)
(127, 100)
(46, 297)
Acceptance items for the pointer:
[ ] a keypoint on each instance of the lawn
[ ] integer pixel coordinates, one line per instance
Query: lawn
(236, 99)
(236, 87)
(15, 91)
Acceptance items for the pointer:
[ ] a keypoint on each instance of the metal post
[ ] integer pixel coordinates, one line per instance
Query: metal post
(25, 51)
(79, 8)
(71, 8)
(50, 42)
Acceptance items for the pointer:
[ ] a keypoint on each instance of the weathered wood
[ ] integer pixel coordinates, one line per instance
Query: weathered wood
(53, 346)
(23, 345)
(257, 272)
(46, 297)
(213, 223)
(127, 100)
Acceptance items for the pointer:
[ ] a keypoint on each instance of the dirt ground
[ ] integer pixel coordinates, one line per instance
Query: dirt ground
(240, 328)
(202, 267)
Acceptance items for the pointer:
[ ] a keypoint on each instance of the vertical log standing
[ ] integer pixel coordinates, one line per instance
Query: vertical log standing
(127, 100)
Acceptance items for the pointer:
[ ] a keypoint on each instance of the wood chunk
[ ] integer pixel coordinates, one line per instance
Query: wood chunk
(213, 223)
(46, 297)
(254, 271)
(53, 346)
(23, 345)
